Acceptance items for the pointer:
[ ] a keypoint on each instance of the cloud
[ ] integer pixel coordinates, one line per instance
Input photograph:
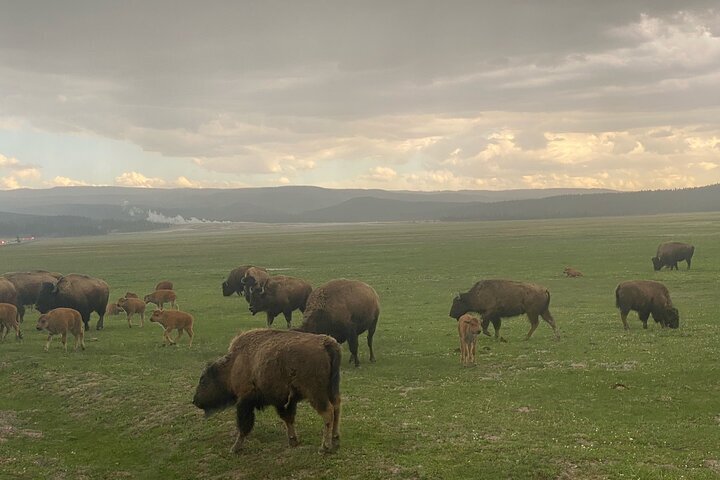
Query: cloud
(135, 179)
(9, 183)
(60, 181)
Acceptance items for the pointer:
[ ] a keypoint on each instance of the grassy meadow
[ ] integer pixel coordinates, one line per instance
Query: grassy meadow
(599, 403)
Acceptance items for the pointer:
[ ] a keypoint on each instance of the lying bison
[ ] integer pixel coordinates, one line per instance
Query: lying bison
(280, 294)
(278, 368)
(343, 309)
(81, 292)
(234, 284)
(28, 285)
(647, 298)
(495, 299)
(669, 254)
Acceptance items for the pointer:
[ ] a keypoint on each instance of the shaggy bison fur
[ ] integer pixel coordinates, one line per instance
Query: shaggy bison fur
(276, 368)
(669, 254)
(496, 299)
(28, 286)
(80, 292)
(280, 294)
(646, 297)
(343, 309)
(233, 283)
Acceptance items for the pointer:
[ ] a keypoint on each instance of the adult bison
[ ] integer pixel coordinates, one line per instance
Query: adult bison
(343, 309)
(647, 298)
(28, 285)
(670, 253)
(81, 292)
(280, 294)
(234, 282)
(496, 299)
(278, 368)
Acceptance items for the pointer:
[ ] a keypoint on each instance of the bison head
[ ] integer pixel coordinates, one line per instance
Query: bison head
(258, 299)
(672, 318)
(46, 297)
(657, 264)
(147, 298)
(459, 306)
(227, 289)
(42, 322)
(212, 393)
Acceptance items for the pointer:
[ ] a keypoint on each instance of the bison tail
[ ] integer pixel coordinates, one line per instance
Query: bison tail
(617, 296)
(547, 300)
(333, 350)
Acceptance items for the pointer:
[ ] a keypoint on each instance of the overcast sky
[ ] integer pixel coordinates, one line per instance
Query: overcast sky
(373, 94)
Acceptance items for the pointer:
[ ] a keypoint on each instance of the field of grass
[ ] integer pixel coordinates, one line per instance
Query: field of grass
(599, 403)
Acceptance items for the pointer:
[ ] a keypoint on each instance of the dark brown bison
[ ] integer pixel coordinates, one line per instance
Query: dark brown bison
(496, 299)
(234, 284)
(669, 254)
(81, 292)
(280, 294)
(164, 285)
(647, 298)
(8, 292)
(28, 285)
(343, 309)
(254, 277)
(278, 368)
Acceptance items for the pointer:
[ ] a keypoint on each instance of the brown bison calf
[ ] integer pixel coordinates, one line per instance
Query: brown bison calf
(647, 298)
(131, 307)
(468, 329)
(164, 285)
(9, 321)
(174, 320)
(495, 299)
(113, 309)
(160, 297)
(278, 368)
(133, 295)
(60, 321)
(572, 273)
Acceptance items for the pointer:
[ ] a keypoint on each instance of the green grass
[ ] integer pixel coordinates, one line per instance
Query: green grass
(537, 409)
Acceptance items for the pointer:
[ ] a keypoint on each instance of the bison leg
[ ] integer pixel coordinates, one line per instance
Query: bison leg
(47, 345)
(534, 322)
(63, 339)
(327, 412)
(472, 349)
(644, 318)
(485, 324)
(288, 318)
(688, 262)
(142, 319)
(3, 332)
(287, 413)
(547, 316)
(21, 313)
(623, 317)
(370, 335)
(128, 320)
(81, 337)
(180, 332)
(336, 423)
(462, 351)
(353, 345)
(101, 322)
(18, 333)
(245, 423)
(270, 319)
(191, 334)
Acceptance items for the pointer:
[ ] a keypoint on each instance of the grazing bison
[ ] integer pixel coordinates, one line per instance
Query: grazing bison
(160, 297)
(572, 273)
(496, 299)
(132, 306)
(647, 298)
(28, 286)
(280, 294)
(9, 321)
(113, 309)
(174, 320)
(164, 285)
(468, 329)
(669, 254)
(234, 284)
(81, 292)
(278, 368)
(60, 321)
(343, 309)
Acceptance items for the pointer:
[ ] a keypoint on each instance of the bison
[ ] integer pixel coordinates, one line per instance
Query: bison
(280, 368)
(160, 297)
(254, 277)
(28, 286)
(646, 297)
(343, 309)
(468, 330)
(496, 299)
(9, 321)
(8, 292)
(132, 306)
(60, 321)
(81, 292)
(670, 253)
(234, 284)
(572, 273)
(164, 285)
(174, 320)
(280, 294)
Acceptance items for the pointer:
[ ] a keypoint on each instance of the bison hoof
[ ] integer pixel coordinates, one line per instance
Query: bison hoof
(293, 441)
(485, 332)
(502, 340)
(325, 449)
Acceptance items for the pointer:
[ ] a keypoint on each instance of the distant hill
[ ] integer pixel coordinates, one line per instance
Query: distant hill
(97, 210)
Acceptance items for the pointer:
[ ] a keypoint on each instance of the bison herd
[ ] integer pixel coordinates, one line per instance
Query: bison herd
(279, 368)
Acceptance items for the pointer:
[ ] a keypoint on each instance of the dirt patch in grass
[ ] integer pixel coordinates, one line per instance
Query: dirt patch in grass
(9, 427)
(713, 465)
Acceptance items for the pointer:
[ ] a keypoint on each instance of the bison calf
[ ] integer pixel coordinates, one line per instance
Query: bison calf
(572, 273)
(164, 285)
(160, 297)
(9, 321)
(278, 368)
(646, 297)
(468, 329)
(174, 320)
(131, 307)
(495, 299)
(60, 321)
